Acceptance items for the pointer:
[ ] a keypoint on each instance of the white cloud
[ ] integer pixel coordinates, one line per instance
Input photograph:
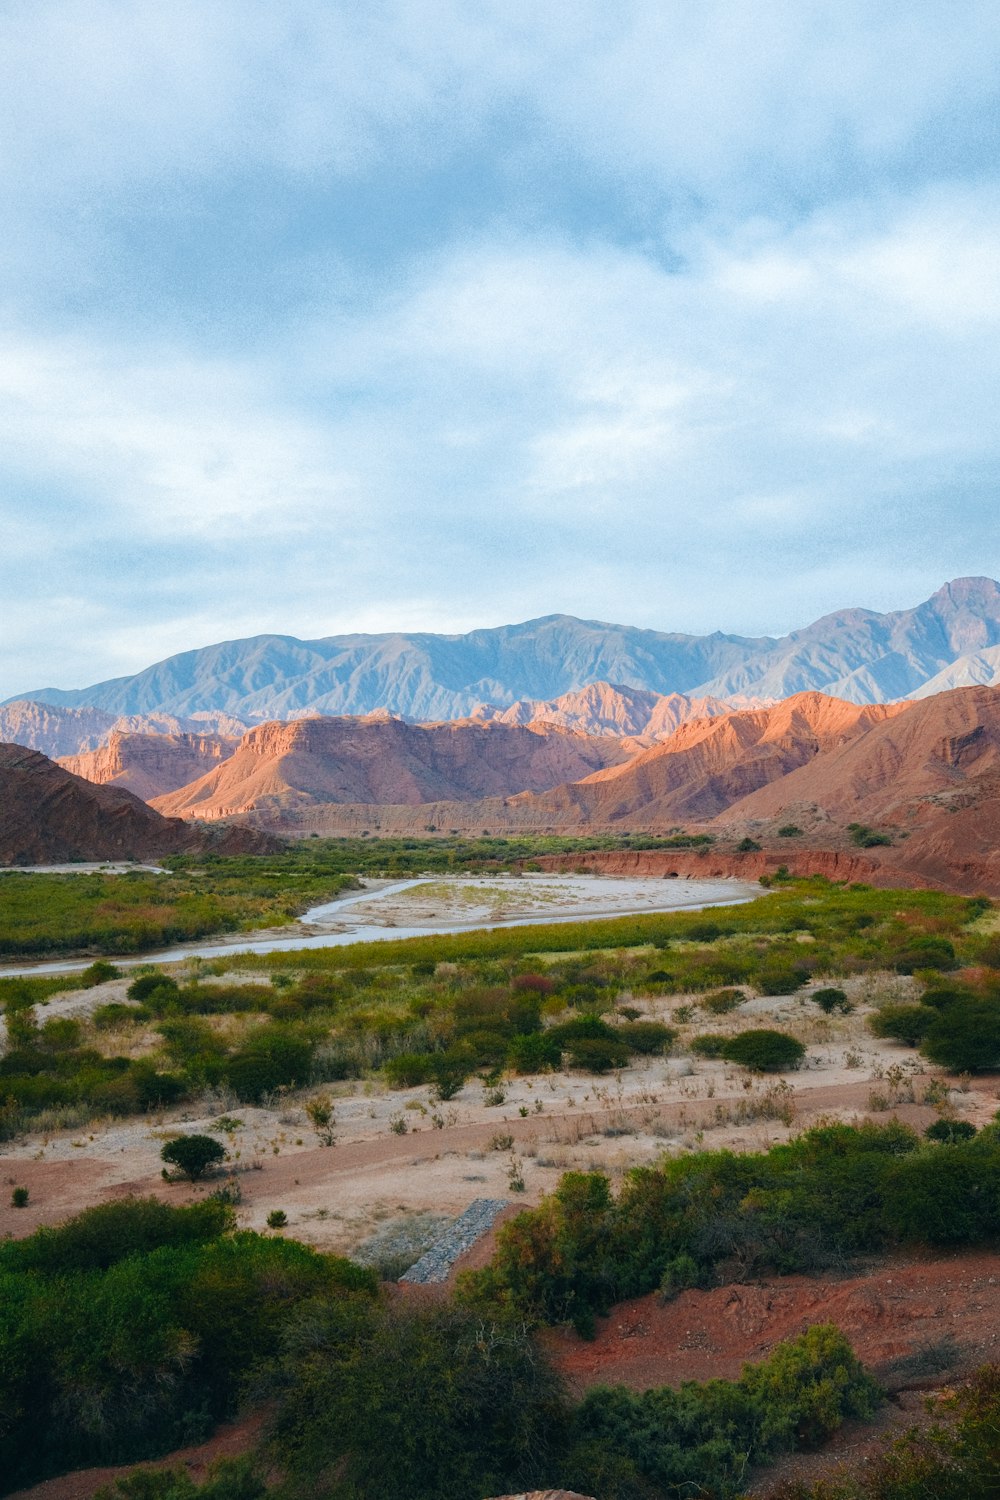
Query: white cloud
(742, 370)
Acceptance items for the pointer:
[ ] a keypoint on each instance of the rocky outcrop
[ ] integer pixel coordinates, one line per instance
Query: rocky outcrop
(283, 768)
(150, 765)
(48, 815)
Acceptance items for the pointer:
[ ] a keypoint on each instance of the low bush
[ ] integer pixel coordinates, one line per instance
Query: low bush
(597, 1054)
(707, 1044)
(130, 1330)
(193, 1154)
(950, 1131)
(831, 999)
(647, 1037)
(152, 984)
(964, 1036)
(538, 1053)
(817, 1201)
(430, 1403)
(781, 980)
(902, 1023)
(764, 1051)
(656, 1440)
(98, 973)
(721, 1002)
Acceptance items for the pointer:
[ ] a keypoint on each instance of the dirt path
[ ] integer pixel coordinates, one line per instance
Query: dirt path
(230, 1441)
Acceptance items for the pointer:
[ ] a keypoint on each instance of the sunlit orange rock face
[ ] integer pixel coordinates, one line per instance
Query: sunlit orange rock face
(379, 759)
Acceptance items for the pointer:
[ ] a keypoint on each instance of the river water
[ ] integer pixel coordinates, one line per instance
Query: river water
(585, 897)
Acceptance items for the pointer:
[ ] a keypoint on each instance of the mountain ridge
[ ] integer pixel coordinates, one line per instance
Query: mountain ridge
(855, 654)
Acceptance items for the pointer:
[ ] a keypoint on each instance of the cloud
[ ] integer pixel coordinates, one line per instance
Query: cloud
(319, 317)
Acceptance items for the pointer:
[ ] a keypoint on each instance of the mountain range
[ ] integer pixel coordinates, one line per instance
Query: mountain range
(951, 640)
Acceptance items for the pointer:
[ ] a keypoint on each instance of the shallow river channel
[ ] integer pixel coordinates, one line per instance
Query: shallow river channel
(466, 903)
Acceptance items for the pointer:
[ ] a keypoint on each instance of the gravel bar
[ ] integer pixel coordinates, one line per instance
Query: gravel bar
(460, 1236)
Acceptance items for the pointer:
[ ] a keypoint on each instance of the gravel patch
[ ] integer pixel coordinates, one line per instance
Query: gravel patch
(460, 1236)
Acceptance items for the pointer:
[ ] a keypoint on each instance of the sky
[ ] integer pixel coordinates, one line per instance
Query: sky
(323, 317)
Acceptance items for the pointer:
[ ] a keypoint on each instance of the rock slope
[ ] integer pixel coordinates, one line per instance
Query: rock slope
(48, 815)
(605, 708)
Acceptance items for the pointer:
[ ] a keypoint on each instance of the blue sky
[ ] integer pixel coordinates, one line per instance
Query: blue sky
(322, 317)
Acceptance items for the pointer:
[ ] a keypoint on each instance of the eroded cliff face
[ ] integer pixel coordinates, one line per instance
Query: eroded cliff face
(150, 765)
(47, 815)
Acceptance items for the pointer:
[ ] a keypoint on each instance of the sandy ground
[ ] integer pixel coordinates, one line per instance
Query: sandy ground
(475, 901)
(113, 867)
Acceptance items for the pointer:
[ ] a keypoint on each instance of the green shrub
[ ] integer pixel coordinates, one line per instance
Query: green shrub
(19, 1198)
(426, 1402)
(721, 1002)
(538, 1053)
(926, 952)
(409, 1070)
(647, 1036)
(273, 1058)
(226, 1479)
(148, 985)
(764, 1051)
(679, 1275)
(902, 1023)
(748, 846)
(98, 973)
(965, 1036)
(658, 1439)
(789, 831)
(950, 1131)
(277, 1218)
(193, 1154)
(106, 1017)
(781, 979)
(597, 1055)
(831, 999)
(708, 1044)
(866, 838)
(131, 1330)
(449, 1071)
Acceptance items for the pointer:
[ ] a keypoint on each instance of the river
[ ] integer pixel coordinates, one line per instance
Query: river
(572, 898)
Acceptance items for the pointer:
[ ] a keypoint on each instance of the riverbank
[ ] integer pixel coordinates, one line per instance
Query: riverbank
(441, 905)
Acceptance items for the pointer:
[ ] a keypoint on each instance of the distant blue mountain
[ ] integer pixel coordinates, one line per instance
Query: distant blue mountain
(855, 654)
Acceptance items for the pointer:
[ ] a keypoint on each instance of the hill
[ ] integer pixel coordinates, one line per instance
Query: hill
(855, 654)
(704, 768)
(280, 767)
(48, 815)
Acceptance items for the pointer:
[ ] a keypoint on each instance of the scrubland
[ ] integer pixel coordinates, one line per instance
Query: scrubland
(588, 1072)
